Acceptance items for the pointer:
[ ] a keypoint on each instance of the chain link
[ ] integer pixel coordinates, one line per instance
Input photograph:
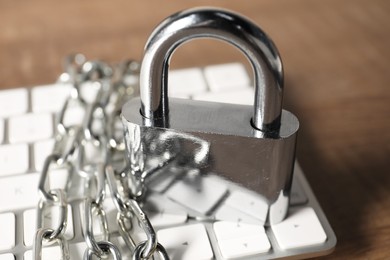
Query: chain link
(93, 149)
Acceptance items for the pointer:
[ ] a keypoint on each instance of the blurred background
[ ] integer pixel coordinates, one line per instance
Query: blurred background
(337, 68)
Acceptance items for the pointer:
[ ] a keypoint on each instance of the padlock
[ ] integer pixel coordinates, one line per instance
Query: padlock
(250, 148)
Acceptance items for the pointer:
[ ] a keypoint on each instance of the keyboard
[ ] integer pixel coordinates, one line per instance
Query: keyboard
(235, 228)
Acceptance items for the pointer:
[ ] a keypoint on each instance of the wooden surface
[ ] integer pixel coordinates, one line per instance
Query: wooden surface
(337, 66)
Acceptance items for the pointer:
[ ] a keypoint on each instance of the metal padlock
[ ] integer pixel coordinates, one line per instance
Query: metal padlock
(251, 148)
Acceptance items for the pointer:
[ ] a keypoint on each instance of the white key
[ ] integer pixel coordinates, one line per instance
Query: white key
(1, 130)
(49, 98)
(41, 150)
(224, 77)
(19, 192)
(166, 218)
(244, 246)
(7, 227)
(228, 213)
(48, 253)
(248, 203)
(76, 251)
(29, 226)
(157, 203)
(300, 229)
(228, 230)
(13, 102)
(30, 128)
(30, 220)
(185, 82)
(236, 239)
(7, 257)
(186, 242)
(244, 96)
(199, 193)
(14, 159)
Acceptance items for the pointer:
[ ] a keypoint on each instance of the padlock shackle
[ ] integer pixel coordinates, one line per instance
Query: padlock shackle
(223, 25)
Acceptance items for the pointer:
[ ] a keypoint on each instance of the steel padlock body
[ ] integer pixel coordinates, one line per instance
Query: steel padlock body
(250, 147)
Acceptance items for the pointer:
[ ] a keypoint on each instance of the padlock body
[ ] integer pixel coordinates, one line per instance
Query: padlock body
(215, 139)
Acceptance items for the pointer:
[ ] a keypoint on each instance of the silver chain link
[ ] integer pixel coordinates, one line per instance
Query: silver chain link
(94, 150)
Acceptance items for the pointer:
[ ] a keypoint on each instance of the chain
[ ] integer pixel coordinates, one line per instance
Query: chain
(92, 152)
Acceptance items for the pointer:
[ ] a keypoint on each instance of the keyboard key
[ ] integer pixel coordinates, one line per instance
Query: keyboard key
(185, 82)
(224, 77)
(22, 189)
(1, 130)
(14, 159)
(49, 98)
(13, 102)
(48, 253)
(236, 239)
(300, 229)
(166, 217)
(227, 230)
(7, 257)
(7, 227)
(41, 150)
(228, 213)
(199, 193)
(76, 251)
(244, 96)
(30, 220)
(30, 128)
(186, 242)
(248, 203)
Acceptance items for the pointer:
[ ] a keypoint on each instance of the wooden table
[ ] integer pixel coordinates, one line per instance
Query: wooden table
(337, 67)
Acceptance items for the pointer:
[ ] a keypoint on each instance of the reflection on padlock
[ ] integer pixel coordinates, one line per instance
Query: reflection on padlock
(254, 148)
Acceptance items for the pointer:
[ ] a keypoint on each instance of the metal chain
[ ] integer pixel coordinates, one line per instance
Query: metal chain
(93, 150)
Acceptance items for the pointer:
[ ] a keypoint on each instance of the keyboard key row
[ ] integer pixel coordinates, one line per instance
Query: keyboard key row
(221, 83)
(213, 196)
(234, 239)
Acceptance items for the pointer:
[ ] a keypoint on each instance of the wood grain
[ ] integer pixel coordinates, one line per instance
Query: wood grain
(337, 66)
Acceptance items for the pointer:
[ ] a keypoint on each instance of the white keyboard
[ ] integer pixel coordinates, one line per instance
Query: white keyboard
(26, 138)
